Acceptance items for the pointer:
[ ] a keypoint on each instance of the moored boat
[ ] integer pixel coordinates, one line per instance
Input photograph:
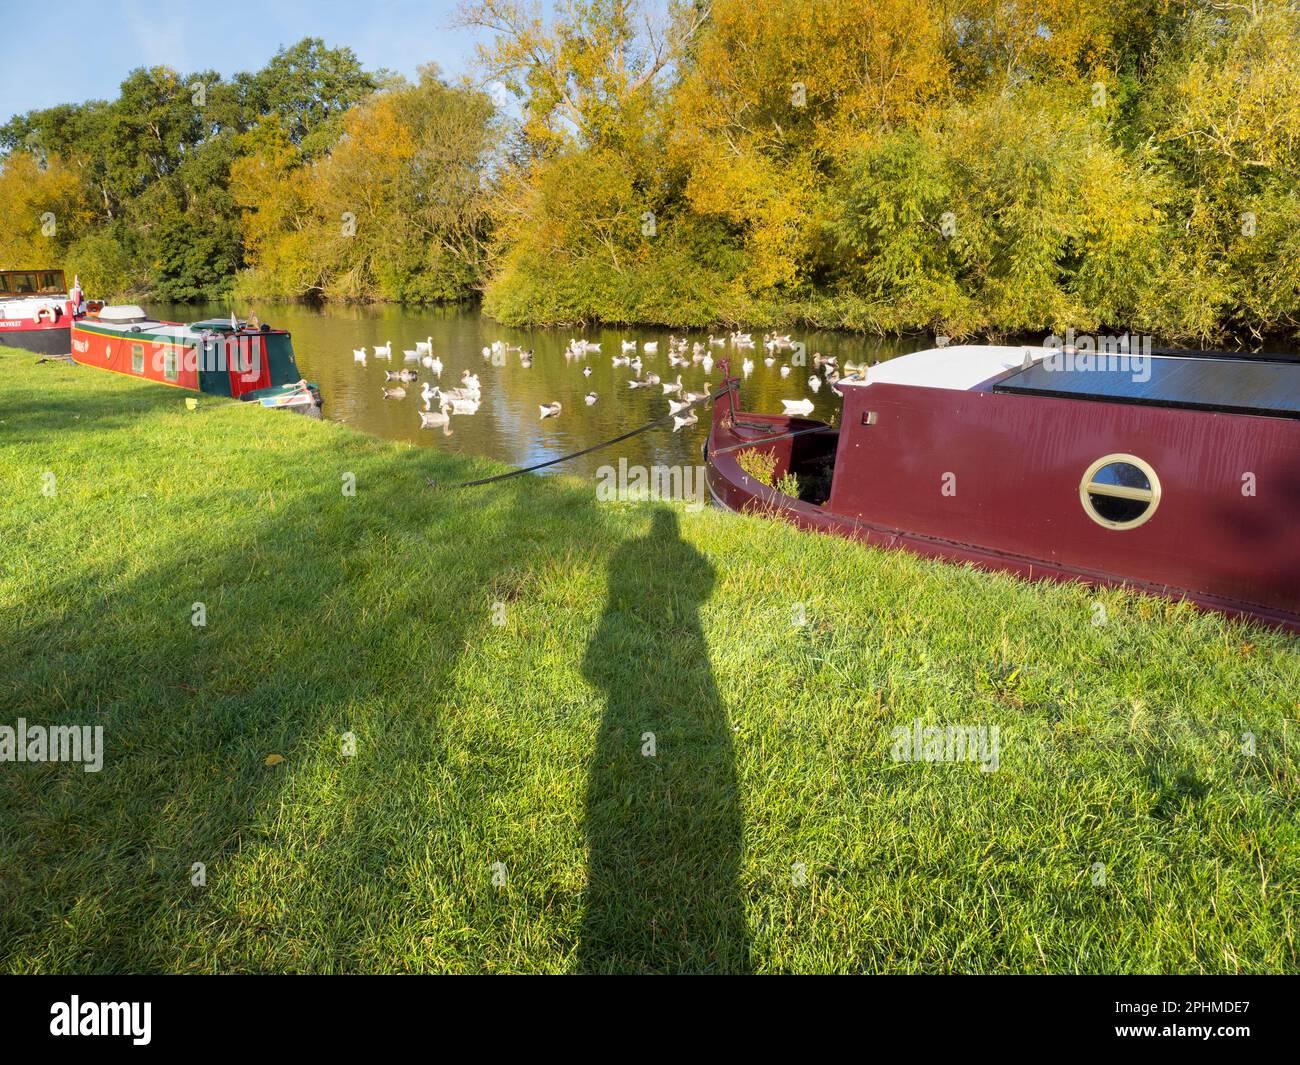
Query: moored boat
(37, 310)
(220, 357)
(1180, 479)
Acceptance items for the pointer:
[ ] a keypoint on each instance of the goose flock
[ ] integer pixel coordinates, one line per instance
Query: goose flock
(439, 404)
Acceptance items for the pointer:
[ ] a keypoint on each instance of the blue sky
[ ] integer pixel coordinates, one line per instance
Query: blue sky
(89, 47)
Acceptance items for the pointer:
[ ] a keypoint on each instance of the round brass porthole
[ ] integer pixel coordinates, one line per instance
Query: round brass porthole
(1120, 491)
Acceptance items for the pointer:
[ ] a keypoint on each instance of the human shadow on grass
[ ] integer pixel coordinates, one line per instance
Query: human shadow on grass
(663, 819)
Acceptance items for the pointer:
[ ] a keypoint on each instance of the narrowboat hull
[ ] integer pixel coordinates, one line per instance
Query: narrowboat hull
(47, 339)
(36, 311)
(212, 357)
(994, 481)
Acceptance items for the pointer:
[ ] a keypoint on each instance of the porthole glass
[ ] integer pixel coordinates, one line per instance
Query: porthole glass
(1120, 491)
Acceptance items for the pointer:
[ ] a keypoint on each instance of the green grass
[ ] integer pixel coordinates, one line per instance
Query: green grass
(520, 743)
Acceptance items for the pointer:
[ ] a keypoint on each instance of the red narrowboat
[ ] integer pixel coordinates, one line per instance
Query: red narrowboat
(36, 311)
(242, 360)
(1176, 474)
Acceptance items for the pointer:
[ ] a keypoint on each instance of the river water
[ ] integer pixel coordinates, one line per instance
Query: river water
(507, 425)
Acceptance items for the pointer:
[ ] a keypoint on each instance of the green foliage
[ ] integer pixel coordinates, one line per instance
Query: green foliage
(788, 484)
(759, 464)
(1016, 215)
(397, 210)
(150, 212)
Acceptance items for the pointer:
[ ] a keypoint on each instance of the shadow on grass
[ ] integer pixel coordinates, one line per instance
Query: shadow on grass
(663, 825)
(57, 405)
(327, 615)
(324, 615)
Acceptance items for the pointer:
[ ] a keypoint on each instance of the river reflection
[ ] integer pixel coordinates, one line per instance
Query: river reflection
(507, 425)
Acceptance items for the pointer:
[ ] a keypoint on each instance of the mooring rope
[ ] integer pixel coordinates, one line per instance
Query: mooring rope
(774, 439)
(585, 451)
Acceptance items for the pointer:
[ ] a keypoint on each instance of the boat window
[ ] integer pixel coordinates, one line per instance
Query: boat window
(137, 358)
(51, 282)
(1120, 491)
(169, 364)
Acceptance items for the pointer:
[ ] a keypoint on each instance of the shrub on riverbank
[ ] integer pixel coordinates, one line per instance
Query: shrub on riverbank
(902, 167)
(461, 685)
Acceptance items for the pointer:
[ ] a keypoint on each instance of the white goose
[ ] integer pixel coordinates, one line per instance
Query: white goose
(551, 410)
(459, 404)
(425, 346)
(431, 419)
(359, 354)
(384, 351)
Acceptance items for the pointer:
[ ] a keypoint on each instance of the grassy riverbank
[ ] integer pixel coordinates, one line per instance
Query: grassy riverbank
(1124, 830)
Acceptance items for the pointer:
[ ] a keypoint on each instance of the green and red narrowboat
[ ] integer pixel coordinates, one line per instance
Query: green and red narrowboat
(1179, 477)
(242, 360)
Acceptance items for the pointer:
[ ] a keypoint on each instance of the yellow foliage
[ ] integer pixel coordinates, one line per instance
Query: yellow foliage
(42, 210)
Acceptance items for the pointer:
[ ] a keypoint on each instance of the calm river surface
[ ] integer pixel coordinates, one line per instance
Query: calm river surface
(507, 426)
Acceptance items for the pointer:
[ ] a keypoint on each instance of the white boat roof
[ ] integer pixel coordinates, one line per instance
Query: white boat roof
(151, 326)
(960, 366)
(123, 312)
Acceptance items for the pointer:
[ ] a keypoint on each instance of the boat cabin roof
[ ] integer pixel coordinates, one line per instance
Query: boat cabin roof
(1269, 387)
(962, 366)
(1215, 381)
(129, 318)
